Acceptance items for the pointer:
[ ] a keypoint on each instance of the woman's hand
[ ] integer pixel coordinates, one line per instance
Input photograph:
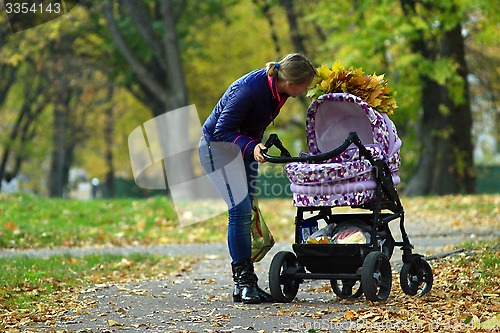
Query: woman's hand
(257, 153)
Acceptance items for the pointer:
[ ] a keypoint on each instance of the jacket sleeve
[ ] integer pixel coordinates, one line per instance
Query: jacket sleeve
(236, 107)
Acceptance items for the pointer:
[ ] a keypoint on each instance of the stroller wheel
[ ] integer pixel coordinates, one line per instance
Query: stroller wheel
(283, 285)
(415, 281)
(347, 288)
(376, 276)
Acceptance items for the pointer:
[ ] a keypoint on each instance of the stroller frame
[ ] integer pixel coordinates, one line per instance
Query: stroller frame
(353, 269)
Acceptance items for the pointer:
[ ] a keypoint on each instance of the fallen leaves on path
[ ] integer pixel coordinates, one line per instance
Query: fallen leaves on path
(65, 302)
(465, 298)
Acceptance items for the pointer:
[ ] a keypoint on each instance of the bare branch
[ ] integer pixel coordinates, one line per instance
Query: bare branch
(181, 7)
(265, 8)
(296, 34)
(174, 63)
(141, 72)
(143, 25)
(8, 74)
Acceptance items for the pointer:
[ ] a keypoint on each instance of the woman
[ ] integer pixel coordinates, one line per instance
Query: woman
(236, 126)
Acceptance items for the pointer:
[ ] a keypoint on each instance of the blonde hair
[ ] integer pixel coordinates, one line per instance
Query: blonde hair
(294, 68)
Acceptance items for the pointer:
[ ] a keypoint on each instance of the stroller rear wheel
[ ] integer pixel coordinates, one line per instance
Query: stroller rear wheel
(414, 281)
(347, 288)
(376, 276)
(283, 285)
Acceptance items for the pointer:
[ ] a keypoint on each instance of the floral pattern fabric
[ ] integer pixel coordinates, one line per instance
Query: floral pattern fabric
(344, 166)
(352, 199)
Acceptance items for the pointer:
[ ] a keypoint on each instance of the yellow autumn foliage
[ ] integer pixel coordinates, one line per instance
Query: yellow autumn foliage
(371, 88)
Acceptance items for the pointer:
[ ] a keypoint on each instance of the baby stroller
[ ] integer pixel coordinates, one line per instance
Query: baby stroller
(352, 160)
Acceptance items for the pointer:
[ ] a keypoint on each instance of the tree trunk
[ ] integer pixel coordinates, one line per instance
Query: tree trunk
(265, 8)
(445, 165)
(7, 147)
(56, 183)
(464, 169)
(23, 130)
(296, 36)
(108, 138)
(60, 100)
(8, 75)
(175, 74)
(161, 78)
(295, 32)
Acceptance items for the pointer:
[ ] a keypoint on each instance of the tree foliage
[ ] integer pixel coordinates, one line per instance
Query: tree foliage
(156, 56)
(422, 47)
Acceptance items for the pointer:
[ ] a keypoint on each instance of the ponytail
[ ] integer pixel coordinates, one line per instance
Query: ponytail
(294, 68)
(272, 69)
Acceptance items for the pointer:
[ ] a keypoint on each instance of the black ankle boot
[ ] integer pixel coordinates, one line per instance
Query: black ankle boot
(263, 296)
(245, 282)
(236, 290)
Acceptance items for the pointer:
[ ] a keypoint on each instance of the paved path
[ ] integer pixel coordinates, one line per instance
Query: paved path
(425, 244)
(199, 300)
(195, 301)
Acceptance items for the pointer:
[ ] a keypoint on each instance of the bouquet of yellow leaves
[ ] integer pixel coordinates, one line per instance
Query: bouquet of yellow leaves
(372, 89)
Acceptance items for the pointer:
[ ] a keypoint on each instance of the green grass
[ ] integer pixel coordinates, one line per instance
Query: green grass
(28, 221)
(36, 222)
(486, 264)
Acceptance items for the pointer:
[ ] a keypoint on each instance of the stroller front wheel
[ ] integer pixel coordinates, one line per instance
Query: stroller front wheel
(282, 284)
(376, 276)
(415, 280)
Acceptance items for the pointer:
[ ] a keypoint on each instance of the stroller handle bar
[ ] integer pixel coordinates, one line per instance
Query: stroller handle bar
(285, 156)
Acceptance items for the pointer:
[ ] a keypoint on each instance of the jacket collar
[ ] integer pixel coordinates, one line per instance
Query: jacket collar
(274, 90)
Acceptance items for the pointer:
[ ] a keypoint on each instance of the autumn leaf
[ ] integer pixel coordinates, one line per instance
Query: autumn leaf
(10, 226)
(371, 88)
(114, 323)
(492, 323)
(350, 315)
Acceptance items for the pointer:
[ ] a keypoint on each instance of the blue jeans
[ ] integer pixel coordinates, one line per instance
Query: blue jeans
(236, 183)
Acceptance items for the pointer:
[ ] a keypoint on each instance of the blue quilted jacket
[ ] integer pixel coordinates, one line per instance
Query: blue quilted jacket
(242, 114)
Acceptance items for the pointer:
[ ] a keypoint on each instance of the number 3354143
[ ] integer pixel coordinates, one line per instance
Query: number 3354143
(25, 8)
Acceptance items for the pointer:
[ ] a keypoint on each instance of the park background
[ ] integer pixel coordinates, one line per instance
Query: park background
(73, 89)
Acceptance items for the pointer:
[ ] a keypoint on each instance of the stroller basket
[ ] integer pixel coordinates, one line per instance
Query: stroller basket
(331, 258)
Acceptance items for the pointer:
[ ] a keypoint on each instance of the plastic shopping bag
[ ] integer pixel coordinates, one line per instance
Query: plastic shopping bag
(351, 234)
(262, 239)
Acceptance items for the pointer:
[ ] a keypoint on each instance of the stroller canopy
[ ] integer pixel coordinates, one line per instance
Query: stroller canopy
(331, 117)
